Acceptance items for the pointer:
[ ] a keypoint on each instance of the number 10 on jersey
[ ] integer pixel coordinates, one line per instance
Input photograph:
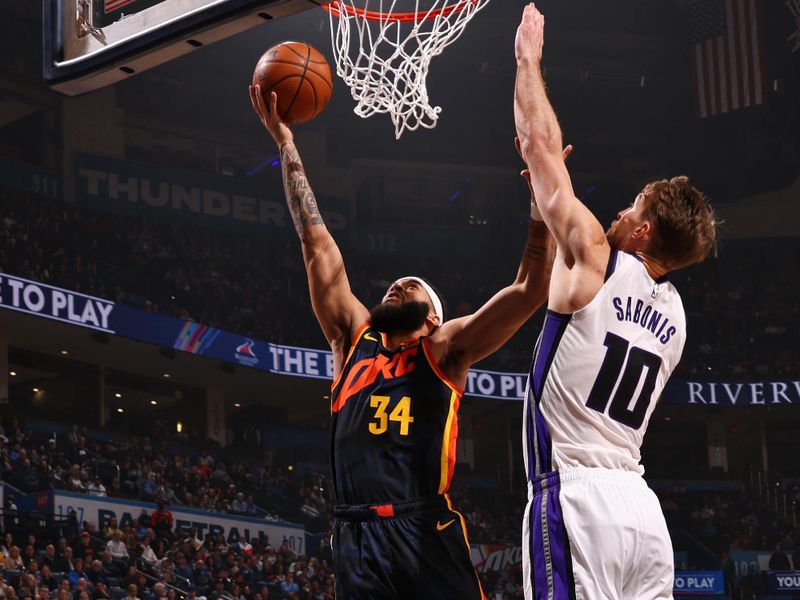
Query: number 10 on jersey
(635, 360)
(400, 414)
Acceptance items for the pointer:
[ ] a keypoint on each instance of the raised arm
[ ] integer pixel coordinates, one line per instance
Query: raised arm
(582, 247)
(474, 337)
(338, 311)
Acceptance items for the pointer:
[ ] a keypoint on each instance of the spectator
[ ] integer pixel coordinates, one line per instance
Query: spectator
(239, 505)
(132, 592)
(84, 548)
(81, 589)
(184, 572)
(101, 591)
(289, 586)
(49, 555)
(147, 553)
(251, 506)
(201, 574)
(162, 521)
(159, 591)
(111, 527)
(5, 547)
(96, 574)
(64, 563)
(116, 547)
(77, 573)
(218, 591)
(144, 519)
(779, 561)
(14, 559)
(96, 488)
(27, 587)
(112, 568)
(46, 578)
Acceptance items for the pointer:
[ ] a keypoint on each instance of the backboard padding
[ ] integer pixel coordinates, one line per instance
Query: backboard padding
(77, 60)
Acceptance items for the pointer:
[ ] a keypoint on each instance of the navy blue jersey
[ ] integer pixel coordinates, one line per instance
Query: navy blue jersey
(394, 423)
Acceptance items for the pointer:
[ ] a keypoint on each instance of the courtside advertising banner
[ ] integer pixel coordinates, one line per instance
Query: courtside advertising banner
(55, 303)
(698, 583)
(494, 558)
(786, 582)
(99, 510)
(49, 302)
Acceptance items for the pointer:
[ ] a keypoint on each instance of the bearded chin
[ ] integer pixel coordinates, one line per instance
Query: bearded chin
(405, 317)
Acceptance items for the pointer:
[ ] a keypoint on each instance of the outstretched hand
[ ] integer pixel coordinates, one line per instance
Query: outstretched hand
(526, 174)
(268, 114)
(530, 35)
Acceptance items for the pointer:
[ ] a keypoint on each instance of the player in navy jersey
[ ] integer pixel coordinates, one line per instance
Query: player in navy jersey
(400, 371)
(614, 331)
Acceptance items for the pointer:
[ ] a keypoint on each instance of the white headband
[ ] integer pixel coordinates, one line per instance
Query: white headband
(437, 303)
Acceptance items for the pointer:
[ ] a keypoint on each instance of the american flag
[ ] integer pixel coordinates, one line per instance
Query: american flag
(727, 55)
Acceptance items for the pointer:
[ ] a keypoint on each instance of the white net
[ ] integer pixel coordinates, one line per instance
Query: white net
(384, 59)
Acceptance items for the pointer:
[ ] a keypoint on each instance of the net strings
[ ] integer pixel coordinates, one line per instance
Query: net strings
(385, 63)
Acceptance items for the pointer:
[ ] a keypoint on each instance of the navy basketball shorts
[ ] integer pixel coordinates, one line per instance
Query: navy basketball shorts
(415, 549)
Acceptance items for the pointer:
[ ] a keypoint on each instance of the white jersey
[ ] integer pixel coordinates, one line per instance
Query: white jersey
(598, 373)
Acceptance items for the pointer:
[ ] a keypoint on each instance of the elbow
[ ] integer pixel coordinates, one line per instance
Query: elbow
(537, 148)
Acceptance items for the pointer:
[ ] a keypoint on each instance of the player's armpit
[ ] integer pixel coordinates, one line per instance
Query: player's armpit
(469, 339)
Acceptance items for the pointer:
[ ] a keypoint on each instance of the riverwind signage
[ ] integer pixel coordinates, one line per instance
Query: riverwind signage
(233, 528)
(752, 393)
(129, 187)
(42, 300)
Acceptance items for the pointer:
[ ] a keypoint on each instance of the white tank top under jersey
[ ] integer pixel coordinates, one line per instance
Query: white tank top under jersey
(598, 373)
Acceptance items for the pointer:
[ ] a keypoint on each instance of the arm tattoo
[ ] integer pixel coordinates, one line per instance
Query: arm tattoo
(539, 251)
(299, 197)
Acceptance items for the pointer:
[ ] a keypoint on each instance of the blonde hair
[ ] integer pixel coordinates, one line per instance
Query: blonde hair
(684, 222)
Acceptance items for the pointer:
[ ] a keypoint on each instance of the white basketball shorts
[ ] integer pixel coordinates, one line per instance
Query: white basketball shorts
(595, 534)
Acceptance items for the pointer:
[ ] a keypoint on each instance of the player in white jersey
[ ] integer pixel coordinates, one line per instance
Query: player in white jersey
(614, 332)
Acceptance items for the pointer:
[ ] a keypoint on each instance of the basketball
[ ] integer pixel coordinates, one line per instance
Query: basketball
(300, 76)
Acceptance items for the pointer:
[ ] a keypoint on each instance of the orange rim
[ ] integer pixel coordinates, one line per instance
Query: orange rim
(336, 8)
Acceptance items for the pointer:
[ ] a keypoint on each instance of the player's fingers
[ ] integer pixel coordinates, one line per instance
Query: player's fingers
(526, 174)
(273, 104)
(253, 101)
(567, 151)
(262, 109)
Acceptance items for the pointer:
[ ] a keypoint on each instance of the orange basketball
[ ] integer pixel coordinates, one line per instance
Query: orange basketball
(300, 76)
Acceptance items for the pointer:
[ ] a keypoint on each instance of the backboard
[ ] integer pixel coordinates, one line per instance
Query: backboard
(89, 44)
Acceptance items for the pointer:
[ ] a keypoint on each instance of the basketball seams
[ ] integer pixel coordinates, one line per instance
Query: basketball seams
(278, 82)
(314, 95)
(291, 46)
(313, 56)
(323, 77)
(302, 79)
(289, 60)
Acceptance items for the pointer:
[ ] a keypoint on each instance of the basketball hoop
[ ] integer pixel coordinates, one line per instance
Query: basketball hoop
(386, 64)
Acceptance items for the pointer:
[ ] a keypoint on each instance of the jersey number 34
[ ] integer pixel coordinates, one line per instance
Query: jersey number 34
(400, 414)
